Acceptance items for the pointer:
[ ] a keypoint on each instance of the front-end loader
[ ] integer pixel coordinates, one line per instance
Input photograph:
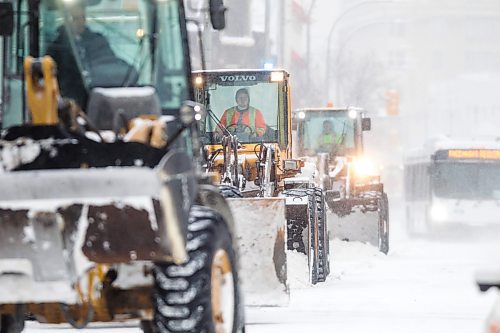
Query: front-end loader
(249, 151)
(105, 214)
(332, 140)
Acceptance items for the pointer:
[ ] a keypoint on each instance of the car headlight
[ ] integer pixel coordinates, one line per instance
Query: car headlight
(438, 212)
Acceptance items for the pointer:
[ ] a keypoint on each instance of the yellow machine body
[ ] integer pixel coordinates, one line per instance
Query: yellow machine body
(42, 90)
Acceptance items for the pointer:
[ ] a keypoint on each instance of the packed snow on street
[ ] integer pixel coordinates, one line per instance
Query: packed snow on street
(422, 285)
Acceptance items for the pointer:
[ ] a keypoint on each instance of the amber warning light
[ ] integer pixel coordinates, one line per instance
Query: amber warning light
(489, 154)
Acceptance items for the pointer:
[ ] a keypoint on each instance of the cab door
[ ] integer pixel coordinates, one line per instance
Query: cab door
(14, 48)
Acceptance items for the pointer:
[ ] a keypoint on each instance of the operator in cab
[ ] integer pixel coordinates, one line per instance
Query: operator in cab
(85, 59)
(243, 119)
(328, 141)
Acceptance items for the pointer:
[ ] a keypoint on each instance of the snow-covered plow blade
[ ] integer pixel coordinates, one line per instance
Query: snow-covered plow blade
(357, 226)
(57, 224)
(261, 234)
(360, 219)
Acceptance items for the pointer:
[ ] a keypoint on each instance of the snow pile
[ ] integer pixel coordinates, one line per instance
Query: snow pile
(297, 270)
(344, 257)
(352, 256)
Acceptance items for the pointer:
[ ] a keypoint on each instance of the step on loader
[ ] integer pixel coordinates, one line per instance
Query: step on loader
(247, 138)
(331, 142)
(104, 213)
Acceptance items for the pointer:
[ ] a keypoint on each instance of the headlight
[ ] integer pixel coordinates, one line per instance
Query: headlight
(438, 212)
(363, 167)
(277, 76)
(198, 80)
(139, 33)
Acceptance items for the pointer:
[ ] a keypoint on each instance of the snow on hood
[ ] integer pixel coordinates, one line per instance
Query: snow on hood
(20, 152)
(25, 150)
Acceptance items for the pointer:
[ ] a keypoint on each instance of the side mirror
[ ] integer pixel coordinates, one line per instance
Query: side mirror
(366, 124)
(217, 14)
(6, 19)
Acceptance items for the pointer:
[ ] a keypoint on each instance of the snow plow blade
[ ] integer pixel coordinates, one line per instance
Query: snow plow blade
(367, 227)
(58, 223)
(363, 219)
(356, 227)
(261, 235)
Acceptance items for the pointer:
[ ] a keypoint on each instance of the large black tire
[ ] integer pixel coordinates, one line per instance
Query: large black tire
(383, 224)
(183, 294)
(323, 239)
(11, 324)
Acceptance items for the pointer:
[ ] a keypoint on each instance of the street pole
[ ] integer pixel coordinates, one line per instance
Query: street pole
(282, 34)
(267, 29)
(330, 35)
(308, 46)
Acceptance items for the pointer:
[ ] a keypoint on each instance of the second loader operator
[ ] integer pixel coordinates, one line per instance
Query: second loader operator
(327, 141)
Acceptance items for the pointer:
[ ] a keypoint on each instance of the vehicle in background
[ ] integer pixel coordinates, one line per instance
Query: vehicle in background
(452, 182)
(331, 140)
(253, 154)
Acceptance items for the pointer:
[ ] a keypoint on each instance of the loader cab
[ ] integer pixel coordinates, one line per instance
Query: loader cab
(267, 92)
(136, 43)
(326, 130)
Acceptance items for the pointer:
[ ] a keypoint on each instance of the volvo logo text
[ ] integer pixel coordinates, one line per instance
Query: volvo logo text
(234, 78)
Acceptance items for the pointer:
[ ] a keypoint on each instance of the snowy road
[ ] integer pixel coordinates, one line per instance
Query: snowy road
(421, 286)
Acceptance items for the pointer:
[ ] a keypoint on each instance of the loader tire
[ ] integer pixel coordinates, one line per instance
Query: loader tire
(323, 239)
(229, 191)
(201, 295)
(11, 324)
(383, 224)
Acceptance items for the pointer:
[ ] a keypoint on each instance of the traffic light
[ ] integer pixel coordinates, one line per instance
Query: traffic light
(392, 102)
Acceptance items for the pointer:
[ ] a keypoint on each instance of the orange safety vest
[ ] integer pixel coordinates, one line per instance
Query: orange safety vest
(230, 113)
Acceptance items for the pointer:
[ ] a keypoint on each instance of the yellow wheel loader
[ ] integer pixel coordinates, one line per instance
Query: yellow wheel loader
(331, 140)
(104, 213)
(248, 147)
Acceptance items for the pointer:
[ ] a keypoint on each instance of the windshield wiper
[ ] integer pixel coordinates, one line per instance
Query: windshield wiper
(344, 133)
(214, 117)
(126, 79)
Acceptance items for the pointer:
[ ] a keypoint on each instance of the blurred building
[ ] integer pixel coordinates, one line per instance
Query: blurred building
(441, 57)
(456, 52)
